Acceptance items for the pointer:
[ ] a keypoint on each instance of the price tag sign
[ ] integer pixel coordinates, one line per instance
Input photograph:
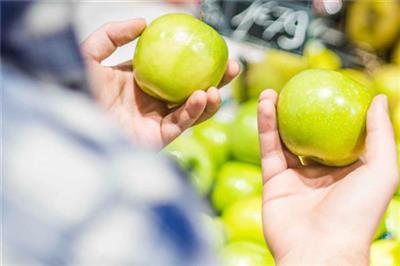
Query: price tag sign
(279, 24)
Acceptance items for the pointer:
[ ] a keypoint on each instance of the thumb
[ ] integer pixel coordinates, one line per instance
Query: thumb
(380, 143)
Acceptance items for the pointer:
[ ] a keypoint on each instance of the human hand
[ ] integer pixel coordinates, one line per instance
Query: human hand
(146, 120)
(317, 215)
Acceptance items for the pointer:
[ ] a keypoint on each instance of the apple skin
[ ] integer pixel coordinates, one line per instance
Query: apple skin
(244, 134)
(214, 137)
(244, 253)
(242, 220)
(322, 116)
(385, 253)
(385, 27)
(194, 160)
(178, 54)
(387, 81)
(236, 181)
(393, 218)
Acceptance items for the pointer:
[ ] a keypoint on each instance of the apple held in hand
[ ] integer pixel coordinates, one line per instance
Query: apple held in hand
(243, 220)
(243, 253)
(244, 134)
(194, 160)
(178, 54)
(236, 181)
(322, 116)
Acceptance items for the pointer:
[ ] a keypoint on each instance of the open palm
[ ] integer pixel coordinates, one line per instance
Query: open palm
(313, 214)
(146, 120)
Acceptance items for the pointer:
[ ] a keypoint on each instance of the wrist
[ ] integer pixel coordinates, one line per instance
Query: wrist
(321, 255)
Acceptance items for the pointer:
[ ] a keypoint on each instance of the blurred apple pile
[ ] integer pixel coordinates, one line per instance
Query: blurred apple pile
(222, 157)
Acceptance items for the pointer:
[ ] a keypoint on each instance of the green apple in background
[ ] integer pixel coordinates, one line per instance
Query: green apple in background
(244, 134)
(243, 253)
(178, 54)
(385, 253)
(318, 56)
(261, 76)
(243, 220)
(236, 181)
(214, 137)
(190, 154)
(360, 77)
(393, 218)
(288, 64)
(214, 230)
(387, 81)
(322, 116)
(372, 23)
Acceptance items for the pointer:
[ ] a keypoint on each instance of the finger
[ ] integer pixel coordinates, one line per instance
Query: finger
(272, 157)
(232, 70)
(213, 103)
(380, 143)
(185, 116)
(104, 41)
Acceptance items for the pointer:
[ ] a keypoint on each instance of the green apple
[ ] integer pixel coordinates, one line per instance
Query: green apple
(322, 116)
(214, 137)
(393, 218)
(318, 56)
(214, 230)
(261, 76)
(244, 134)
(235, 181)
(360, 77)
(243, 220)
(387, 81)
(190, 154)
(288, 64)
(385, 253)
(373, 23)
(178, 54)
(243, 253)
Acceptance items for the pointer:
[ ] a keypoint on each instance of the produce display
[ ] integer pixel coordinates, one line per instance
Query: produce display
(322, 110)
(235, 193)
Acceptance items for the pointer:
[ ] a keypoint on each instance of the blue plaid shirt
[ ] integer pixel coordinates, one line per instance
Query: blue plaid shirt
(74, 191)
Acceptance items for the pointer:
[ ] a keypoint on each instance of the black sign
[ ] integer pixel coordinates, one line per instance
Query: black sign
(278, 24)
